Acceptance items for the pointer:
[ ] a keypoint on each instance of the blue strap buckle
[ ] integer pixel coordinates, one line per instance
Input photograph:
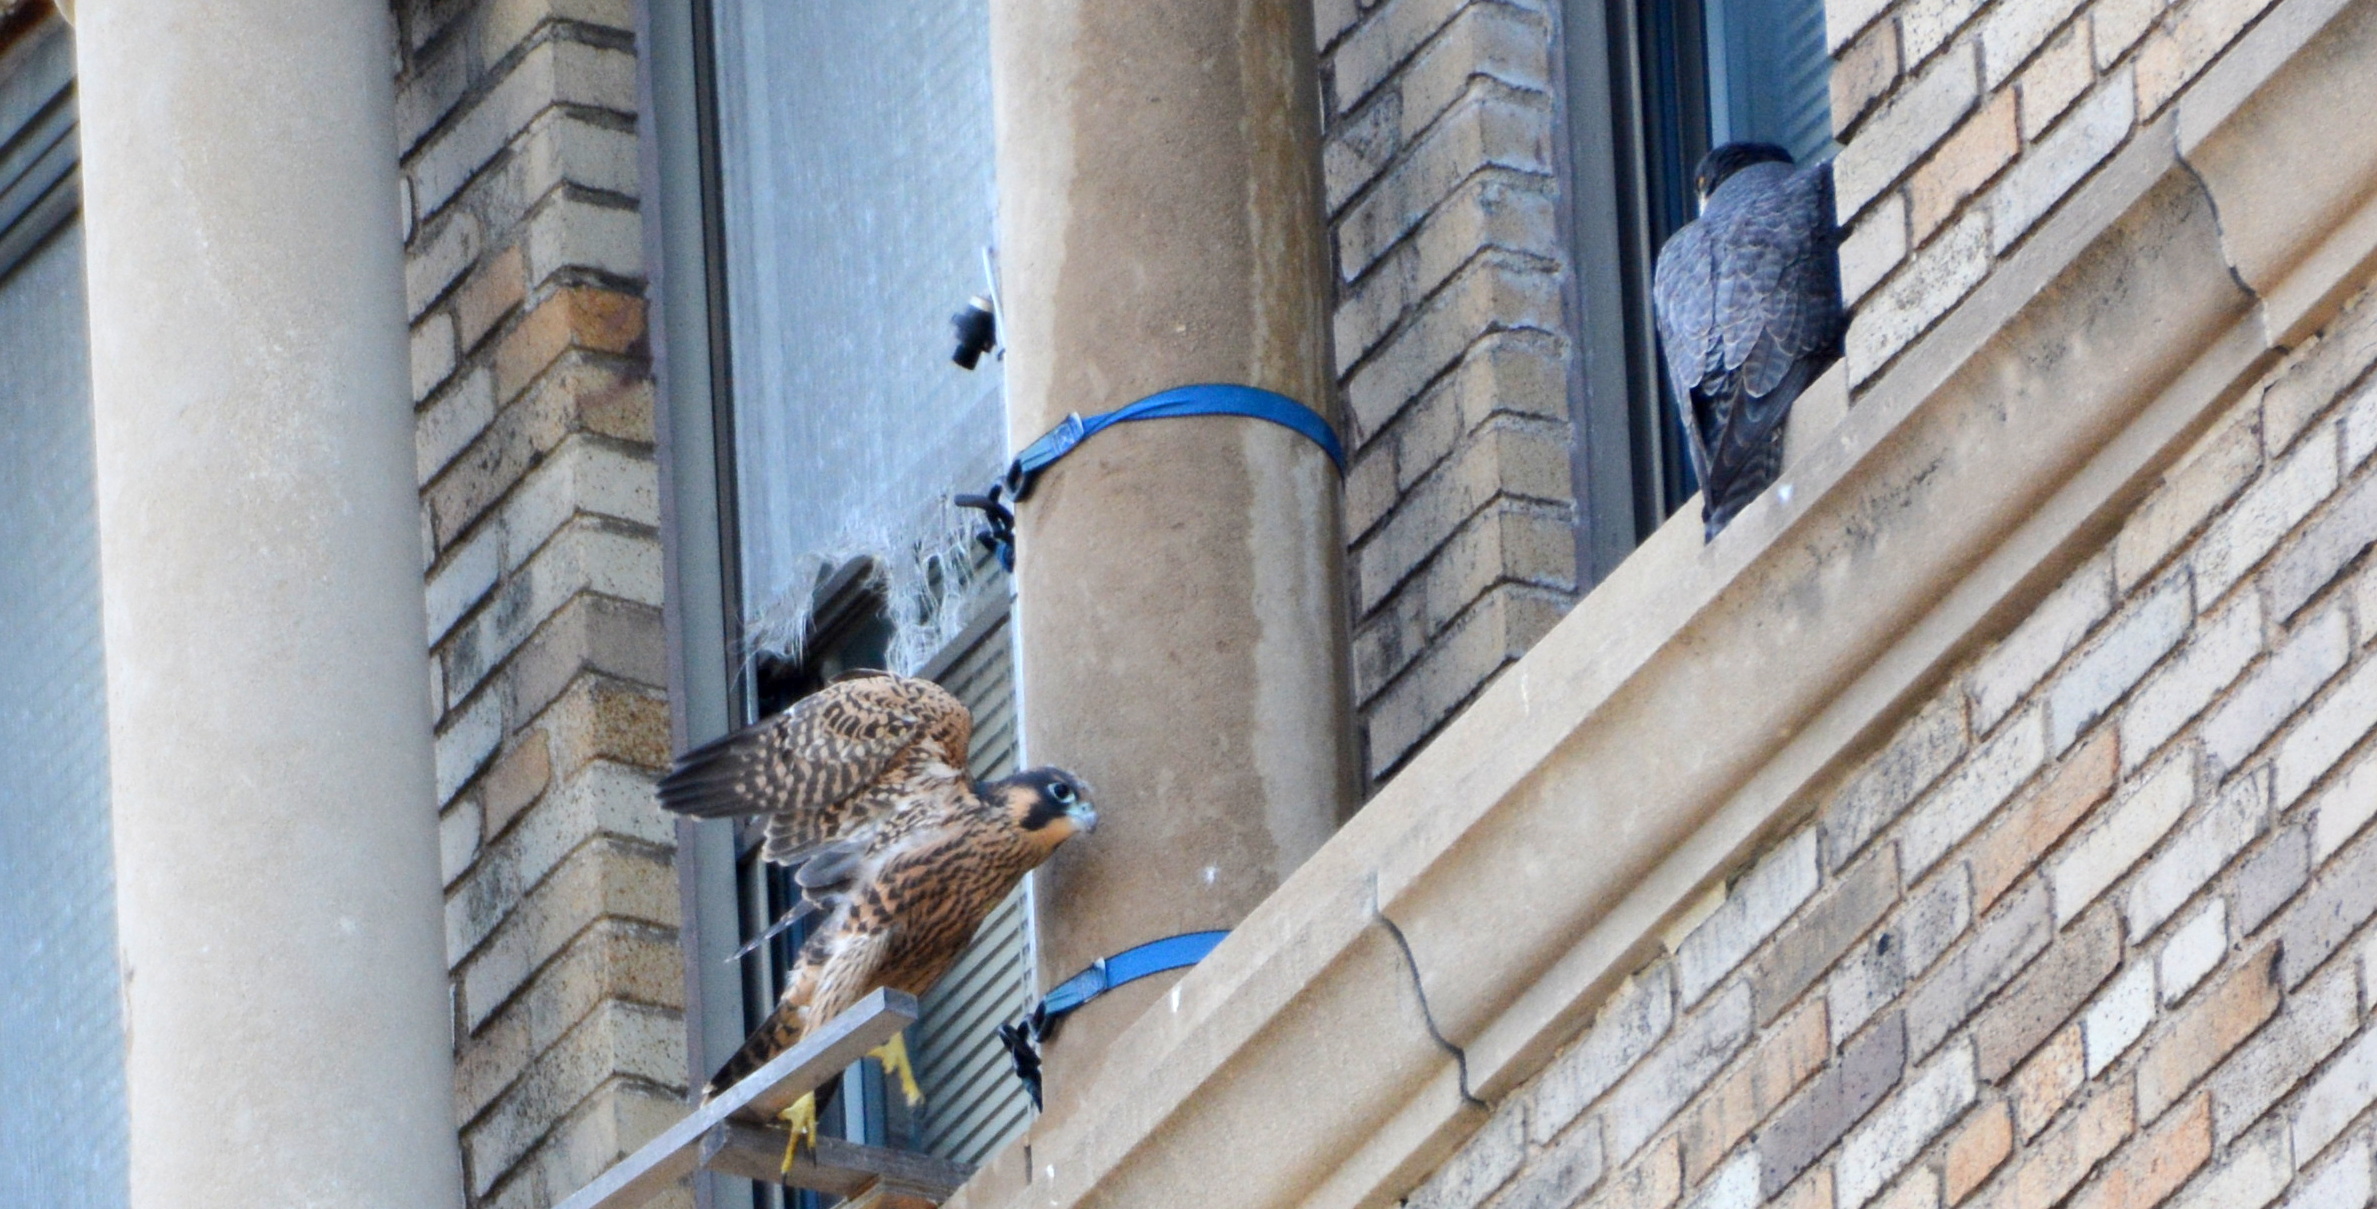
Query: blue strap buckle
(1024, 1037)
(1205, 399)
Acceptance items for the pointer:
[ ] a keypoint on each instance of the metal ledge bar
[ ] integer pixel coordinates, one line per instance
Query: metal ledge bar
(843, 1168)
(767, 1091)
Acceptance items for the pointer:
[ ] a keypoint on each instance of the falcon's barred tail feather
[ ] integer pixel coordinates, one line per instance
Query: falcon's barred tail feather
(1748, 456)
(781, 1032)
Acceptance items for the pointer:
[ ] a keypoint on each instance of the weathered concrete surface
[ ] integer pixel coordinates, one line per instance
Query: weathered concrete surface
(275, 830)
(1181, 622)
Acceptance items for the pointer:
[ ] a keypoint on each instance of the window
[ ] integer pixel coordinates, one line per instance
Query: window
(62, 1122)
(1651, 86)
(825, 200)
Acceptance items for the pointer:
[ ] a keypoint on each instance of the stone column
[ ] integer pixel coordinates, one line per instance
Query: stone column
(1181, 626)
(288, 1040)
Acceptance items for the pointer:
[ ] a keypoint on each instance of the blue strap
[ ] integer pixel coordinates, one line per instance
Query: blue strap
(1128, 966)
(1205, 399)
(1023, 1037)
(1209, 399)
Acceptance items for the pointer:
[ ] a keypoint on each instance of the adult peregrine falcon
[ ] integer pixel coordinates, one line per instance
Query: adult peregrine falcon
(1748, 298)
(866, 796)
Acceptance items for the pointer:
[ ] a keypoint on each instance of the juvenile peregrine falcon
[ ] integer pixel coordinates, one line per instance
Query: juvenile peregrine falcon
(866, 796)
(1748, 298)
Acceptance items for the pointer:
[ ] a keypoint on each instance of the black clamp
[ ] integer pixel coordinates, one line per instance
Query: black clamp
(1209, 399)
(998, 523)
(1024, 1037)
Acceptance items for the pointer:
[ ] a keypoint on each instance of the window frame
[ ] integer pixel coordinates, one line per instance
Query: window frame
(41, 202)
(1636, 93)
(39, 196)
(713, 687)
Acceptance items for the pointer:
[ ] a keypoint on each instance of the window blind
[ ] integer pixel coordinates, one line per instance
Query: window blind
(972, 1103)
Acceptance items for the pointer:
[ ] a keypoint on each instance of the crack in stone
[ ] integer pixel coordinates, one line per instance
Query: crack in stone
(1412, 965)
(2220, 231)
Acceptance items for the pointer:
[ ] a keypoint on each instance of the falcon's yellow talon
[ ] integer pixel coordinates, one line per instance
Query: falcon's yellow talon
(894, 1055)
(802, 1117)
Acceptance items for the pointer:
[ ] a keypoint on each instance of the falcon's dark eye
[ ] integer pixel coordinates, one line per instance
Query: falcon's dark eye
(1062, 793)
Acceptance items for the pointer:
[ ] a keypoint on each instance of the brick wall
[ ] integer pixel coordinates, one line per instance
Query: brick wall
(2093, 922)
(539, 530)
(1965, 123)
(1460, 504)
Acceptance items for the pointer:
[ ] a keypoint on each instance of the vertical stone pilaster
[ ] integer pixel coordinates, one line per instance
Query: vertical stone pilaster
(1182, 620)
(275, 834)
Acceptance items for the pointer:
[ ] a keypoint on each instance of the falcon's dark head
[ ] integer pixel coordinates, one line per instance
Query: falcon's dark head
(1049, 805)
(1732, 158)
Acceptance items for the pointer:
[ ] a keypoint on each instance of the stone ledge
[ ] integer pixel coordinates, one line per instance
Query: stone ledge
(1971, 476)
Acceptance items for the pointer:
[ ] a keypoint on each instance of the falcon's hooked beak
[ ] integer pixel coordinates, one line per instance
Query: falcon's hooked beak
(1040, 796)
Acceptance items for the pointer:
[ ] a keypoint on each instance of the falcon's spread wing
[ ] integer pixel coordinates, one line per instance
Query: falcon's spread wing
(1748, 302)
(864, 788)
(829, 767)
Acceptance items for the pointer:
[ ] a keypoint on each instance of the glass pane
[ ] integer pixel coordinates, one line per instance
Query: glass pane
(855, 157)
(1770, 80)
(61, 1083)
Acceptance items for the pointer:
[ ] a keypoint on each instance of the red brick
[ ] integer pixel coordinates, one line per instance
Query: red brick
(2155, 1165)
(1759, 1083)
(1813, 1192)
(2206, 1031)
(2048, 1080)
(516, 780)
(1654, 1181)
(2032, 826)
(1965, 161)
(2047, 993)
(1976, 1149)
(1864, 71)
(579, 317)
(489, 294)
(2057, 1161)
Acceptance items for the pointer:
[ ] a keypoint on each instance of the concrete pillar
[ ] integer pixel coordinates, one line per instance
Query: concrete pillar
(1182, 621)
(286, 1015)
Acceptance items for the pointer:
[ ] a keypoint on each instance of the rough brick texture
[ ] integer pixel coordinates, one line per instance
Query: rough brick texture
(1452, 349)
(2092, 928)
(1965, 124)
(540, 515)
